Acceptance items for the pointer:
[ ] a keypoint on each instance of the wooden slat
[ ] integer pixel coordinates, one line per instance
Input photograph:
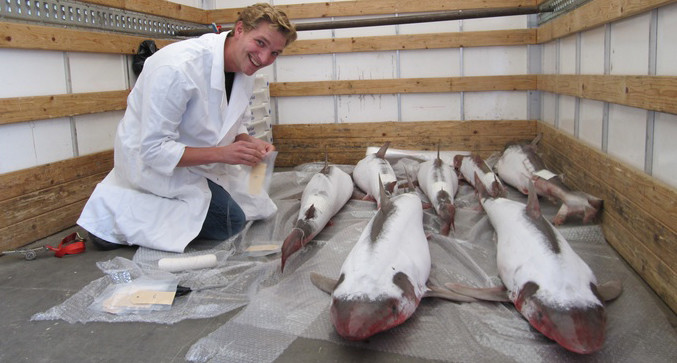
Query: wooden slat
(639, 216)
(593, 14)
(657, 93)
(654, 271)
(346, 143)
(371, 7)
(46, 107)
(25, 36)
(15, 210)
(38, 227)
(413, 41)
(33, 179)
(404, 85)
(157, 7)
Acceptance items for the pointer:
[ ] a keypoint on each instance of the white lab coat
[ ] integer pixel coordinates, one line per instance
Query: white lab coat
(179, 100)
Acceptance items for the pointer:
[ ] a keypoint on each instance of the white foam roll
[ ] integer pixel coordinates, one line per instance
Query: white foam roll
(175, 264)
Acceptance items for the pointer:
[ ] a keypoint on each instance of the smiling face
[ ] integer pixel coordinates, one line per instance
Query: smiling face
(247, 52)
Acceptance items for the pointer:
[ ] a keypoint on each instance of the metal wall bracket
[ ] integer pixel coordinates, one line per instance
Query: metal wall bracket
(76, 14)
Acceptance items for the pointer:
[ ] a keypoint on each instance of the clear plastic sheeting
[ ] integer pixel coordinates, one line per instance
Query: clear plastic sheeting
(282, 307)
(637, 329)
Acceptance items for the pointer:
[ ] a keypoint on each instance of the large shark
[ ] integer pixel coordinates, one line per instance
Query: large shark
(439, 182)
(549, 284)
(384, 277)
(324, 195)
(367, 172)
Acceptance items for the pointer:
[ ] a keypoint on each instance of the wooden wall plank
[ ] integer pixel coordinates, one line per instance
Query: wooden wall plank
(661, 277)
(46, 107)
(26, 206)
(25, 36)
(413, 41)
(638, 216)
(346, 143)
(593, 14)
(30, 180)
(657, 93)
(372, 7)
(404, 85)
(157, 7)
(33, 229)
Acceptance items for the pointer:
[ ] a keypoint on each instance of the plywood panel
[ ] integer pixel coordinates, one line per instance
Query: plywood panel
(413, 41)
(46, 107)
(30, 180)
(346, 143)
(657, 93)
(25, 36)
(406, 85)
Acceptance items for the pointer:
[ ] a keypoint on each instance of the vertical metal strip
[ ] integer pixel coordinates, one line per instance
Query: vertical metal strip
(71, 119)
(557, 71)
(462, 73)
(651, 115)
(534, 66)
(577, 105)
(607, 71)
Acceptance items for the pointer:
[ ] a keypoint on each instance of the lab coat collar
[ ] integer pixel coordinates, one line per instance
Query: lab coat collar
(218, 79)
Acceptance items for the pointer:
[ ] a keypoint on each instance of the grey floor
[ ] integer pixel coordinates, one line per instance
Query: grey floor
(30, 287)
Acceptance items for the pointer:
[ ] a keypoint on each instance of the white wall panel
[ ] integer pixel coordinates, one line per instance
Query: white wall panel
(666, 57)
(627, 130)
(228, 4)
(549, 107)
(591, 122)
(302, 68)
(305, 110)
(52, 140)
(17, 150)
(434, 27)
(567, 55)
(431, 106)
(495, 105)
(364, 31)
(372, 65)
(495, 61)
(630, 45)
(367, 108)
(592, 51)
(549, 57)
(567, 113)
(665, 148)
(496, 23)
(430, 63)
(96, 72)
(31, 73)
(96, 132)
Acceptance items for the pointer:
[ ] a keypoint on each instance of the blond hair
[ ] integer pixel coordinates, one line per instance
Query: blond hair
(252, 15)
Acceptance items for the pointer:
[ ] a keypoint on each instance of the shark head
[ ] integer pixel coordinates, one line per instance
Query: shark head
(358, 317)
(579, 329)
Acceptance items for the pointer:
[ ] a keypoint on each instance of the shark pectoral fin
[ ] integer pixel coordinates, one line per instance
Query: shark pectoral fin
(442, 293)
(610, 290)
(323, 283)
(497, 293)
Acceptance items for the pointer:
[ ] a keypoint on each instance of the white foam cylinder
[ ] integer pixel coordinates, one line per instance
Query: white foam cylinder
(175, 264)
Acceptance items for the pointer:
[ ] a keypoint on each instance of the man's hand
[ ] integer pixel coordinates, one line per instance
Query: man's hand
(246, 150)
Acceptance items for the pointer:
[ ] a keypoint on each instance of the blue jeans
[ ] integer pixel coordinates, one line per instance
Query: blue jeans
(225, 218)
